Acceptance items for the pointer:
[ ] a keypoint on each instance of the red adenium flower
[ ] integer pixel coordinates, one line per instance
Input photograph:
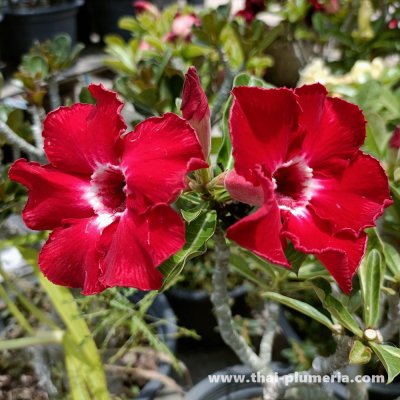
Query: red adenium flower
(299, 151)
(182, 27)
(195, 109)
(106, 196)
(251, 9)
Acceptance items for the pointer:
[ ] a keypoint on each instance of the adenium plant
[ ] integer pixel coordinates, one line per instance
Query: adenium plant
(129, 208)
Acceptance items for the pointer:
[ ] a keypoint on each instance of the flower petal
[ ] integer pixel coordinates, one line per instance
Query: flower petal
(79, 138)
(335, 129)
(242, 190)
(195, 109)
(260, 231)
(137, 244)
(69, 257)
(158, 155)
(357, 199)
(53, 195)
(262, 124)
(341, 254)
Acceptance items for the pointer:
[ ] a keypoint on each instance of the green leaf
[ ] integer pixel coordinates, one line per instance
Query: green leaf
(390, 358)
(322, 288)
(75, 370)
(359, 353)
(198, 232)
(392, 258)
(193, 213)
(294, 257)
(371, 275)
(86, 97)
(241, 265)
(77, 331)
(340, 312)
(302, 307)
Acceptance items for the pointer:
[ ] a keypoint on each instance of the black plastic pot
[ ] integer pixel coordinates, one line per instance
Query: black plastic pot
(167, 333)
(105, 15)
(380, 391)
(22, 27)
(194, 310)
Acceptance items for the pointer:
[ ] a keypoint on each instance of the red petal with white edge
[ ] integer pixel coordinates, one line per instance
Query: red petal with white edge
(341, 254)
(357, 199)
(137, 244)
(79, 138)
(262, 123)
(260, 231)
(69, 257)
(335, 129)
(53, 195)
(158, 155)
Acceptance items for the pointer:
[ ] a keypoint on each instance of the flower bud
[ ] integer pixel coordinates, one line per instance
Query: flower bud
(195, 109)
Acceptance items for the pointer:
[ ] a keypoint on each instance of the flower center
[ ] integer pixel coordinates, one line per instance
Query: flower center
(293, 184)
(107, 190)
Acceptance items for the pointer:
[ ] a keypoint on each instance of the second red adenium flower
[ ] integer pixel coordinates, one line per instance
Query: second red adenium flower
(297, 159)
(107, 197)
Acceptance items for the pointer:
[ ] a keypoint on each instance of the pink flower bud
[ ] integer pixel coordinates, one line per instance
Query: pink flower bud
(145, 6)
(195, 109)
(182, 26)
(242, 190)
(395, 139)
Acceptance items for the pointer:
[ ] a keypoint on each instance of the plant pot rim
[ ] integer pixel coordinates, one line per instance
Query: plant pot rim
(44, 10)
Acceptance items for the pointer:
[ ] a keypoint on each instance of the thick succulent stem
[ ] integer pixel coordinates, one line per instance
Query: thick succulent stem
(220, 300)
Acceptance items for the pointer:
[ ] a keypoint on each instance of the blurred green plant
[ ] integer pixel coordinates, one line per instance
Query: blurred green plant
(40, 68)
(151, 65)
(82, 359)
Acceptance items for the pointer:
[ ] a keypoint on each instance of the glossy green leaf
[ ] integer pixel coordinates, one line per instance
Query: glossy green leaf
(371, 275)
(302, 307)
(392, 258)
(390, 358)
(340, 312)
(198, 232)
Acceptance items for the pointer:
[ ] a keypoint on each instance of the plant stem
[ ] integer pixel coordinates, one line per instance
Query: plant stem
(270, 317)
(225, 88)
(54, 93)
(52, 337)
(16, 140)
(37, 127)
(220, 300)
(321, 366)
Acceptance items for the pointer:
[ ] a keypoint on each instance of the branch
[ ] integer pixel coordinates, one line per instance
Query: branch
(37, 127)
(270, 317)
(321, 366)
(220, 300)
(54, 93)
(225, 88)
(22, 144)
